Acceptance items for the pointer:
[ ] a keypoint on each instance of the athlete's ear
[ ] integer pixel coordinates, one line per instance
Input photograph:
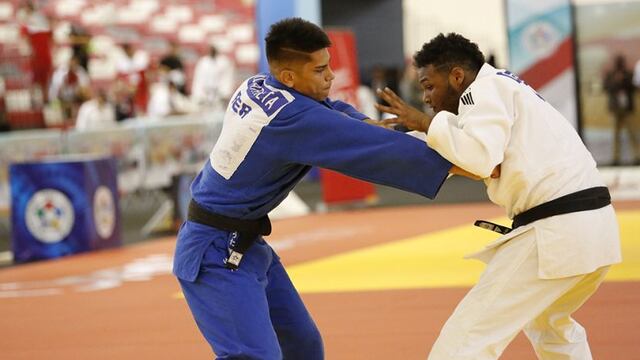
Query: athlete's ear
(287, 77)
(456, 77)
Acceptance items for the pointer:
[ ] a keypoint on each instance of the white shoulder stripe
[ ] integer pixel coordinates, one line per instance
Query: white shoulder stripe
(252, 108)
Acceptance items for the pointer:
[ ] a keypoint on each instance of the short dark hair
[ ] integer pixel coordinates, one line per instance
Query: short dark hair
(447, 51)
(294, 38)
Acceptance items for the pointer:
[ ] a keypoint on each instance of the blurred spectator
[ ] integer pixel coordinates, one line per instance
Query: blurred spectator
(96, 113)
(409, 88)
(80, 38)
(172, 63)
(411, 92)
(619, 87)
(367, 100)
(68, 84)
(636, 74)
(35, 27)
(213, 80)
(167, 100)
(4, 125)
(491, 60)
(123, 99)
(381, 78)
(131, 69)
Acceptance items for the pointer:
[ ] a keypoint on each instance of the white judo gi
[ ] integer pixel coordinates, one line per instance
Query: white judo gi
(539, 274)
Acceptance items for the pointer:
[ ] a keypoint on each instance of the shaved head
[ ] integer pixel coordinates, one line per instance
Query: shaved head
(291, 41)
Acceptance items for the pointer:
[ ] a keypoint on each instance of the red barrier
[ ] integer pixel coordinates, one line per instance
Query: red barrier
(341, 189)
(338, 188)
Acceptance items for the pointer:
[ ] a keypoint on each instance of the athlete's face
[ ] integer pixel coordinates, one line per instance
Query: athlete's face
(442, 88)
(314, 77)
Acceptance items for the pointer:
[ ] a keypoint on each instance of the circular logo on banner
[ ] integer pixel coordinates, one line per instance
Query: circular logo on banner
(541, 39)
(104, 212)
(49, 215)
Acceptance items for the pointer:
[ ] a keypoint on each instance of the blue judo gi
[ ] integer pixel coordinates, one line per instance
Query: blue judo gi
(271, 137)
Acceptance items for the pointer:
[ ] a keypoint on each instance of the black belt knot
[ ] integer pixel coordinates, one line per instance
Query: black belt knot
(245, 231)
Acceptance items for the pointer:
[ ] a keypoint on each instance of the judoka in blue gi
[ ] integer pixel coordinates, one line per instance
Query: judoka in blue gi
(277, 126)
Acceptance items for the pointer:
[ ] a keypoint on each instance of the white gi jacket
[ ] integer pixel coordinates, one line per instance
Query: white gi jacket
(501, 120)
(213, 80)
(93, 116)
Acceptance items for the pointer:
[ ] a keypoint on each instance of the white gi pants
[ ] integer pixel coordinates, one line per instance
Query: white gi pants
(510, 297)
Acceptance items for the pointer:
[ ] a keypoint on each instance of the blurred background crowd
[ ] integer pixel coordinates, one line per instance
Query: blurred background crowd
(90, 65)
(89, 76)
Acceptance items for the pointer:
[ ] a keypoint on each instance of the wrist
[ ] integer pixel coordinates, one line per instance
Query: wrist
(425, 121)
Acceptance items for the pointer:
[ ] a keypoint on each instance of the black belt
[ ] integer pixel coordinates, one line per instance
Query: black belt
(245, 232)
(583, 200)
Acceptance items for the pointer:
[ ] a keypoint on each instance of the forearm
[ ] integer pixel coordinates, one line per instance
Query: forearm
(476, 150)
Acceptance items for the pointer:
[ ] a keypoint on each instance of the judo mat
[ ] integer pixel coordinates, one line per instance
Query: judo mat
(380, 283)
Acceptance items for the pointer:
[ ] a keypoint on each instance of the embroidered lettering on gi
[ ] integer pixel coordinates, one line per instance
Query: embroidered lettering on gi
(270, 101)
(513, 77)
(239, 107)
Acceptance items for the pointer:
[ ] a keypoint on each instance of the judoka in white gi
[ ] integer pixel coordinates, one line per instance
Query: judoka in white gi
(538, 274)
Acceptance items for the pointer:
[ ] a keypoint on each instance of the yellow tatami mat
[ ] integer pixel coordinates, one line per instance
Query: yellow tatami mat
(433, 260)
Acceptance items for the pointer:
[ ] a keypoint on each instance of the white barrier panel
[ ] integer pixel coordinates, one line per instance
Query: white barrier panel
(22, 146)
(125, 143)
(148, 151)
(623, 182)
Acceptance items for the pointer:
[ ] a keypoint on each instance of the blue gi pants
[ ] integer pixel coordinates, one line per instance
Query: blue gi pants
(254, 312)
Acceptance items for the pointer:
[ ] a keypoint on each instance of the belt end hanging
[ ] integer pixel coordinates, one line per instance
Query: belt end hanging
(233, 261)
(492, 226)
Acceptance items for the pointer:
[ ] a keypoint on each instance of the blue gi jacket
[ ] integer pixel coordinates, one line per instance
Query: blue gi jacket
(271, 137)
